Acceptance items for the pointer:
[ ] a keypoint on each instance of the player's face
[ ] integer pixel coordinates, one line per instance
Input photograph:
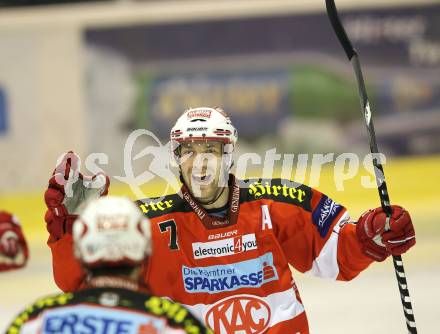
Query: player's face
(201, 167)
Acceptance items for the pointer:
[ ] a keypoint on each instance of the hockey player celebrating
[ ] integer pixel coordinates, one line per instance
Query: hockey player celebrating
(112, 240)
(14, 251)
(222, 247)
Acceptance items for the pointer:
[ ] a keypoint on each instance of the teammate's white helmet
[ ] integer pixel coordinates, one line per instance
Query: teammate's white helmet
(111, 231)
(204, 123)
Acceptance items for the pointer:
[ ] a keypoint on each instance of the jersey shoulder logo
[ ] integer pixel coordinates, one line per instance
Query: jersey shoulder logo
(324, 214)
(156, 207)
(279, 190)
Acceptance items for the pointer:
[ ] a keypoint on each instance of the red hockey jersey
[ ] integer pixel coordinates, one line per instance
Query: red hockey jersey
(234, 274)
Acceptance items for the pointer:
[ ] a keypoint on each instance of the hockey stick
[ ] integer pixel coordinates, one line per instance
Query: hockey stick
(380, 177)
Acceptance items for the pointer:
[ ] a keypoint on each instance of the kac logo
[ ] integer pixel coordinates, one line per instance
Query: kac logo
(239, 314)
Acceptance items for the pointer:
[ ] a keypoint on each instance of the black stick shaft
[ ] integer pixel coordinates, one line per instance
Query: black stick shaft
(365, 105)
(380, 176)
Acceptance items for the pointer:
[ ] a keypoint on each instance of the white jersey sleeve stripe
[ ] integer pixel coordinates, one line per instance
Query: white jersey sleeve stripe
(326, 264)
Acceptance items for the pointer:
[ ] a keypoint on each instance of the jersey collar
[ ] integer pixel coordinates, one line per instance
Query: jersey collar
(112, 282)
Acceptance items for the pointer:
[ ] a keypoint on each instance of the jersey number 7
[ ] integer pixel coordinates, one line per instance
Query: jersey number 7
(171, 225)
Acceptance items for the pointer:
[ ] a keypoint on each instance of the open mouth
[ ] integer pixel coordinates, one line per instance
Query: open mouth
(202, 179)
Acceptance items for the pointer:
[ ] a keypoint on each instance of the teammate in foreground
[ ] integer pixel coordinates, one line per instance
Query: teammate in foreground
(223, 246)
(112, 240)
(14, 251)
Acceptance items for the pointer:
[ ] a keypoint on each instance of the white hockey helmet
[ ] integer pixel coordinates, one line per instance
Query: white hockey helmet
(111, 231)
(201, 124)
